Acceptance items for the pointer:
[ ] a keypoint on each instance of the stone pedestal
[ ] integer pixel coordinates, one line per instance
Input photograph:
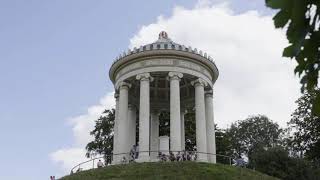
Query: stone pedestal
(164, 144)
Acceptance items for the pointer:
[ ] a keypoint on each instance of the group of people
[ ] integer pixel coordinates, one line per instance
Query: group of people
(180, 156)
(183, 156)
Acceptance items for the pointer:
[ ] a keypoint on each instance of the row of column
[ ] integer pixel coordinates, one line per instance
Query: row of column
(125, 120)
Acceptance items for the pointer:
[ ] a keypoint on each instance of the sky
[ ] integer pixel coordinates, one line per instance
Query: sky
(55, 57)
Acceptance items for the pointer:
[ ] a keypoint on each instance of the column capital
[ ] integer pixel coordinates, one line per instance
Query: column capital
(209, 93)
(175, 75)
(131, 106)
(183, 111)
(199, 82)
(123, 84)
(156, 112)
(144, 77)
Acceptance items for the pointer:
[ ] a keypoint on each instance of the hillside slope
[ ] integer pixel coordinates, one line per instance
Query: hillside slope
(170, 170)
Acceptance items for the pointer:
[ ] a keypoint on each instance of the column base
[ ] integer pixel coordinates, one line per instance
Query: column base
(153, 155)
(212, 159)
(120, 159)
(116, 162)
(143, 158)
(154, 160)
(202, 158)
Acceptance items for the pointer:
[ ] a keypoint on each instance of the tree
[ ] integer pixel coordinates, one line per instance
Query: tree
(103, 135)
(253, 134)
(276, 162)
(223, 145)
(301, 18)
(305, 128)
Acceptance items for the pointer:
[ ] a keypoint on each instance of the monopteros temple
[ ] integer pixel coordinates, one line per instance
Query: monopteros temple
(163, 77)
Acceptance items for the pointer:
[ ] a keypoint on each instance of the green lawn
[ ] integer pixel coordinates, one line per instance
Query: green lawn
(170, 170)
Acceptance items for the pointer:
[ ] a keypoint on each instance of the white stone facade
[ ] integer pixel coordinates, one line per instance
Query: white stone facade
(163, 77)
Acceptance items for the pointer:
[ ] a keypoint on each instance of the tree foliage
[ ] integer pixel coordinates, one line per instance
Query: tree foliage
(276, 162)
(223, 145)
(252, 134)
(305, 127)
(301, 18)
(103, 135)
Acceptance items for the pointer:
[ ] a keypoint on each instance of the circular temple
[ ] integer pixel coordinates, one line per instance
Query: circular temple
(163, 77)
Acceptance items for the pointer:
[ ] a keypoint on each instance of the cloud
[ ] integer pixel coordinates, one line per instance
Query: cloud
(254, 78)
(68, 157)
(84, 123)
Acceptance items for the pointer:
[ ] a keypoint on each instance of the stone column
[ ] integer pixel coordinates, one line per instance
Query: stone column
(123, 118)
(175, 121)
(211, 144)
(144, 116)
(201, 134)
(154, 138)
(115, 158)
(132, 126)
(183, 136)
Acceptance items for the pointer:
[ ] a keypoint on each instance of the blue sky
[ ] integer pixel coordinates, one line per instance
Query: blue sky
(54, 60)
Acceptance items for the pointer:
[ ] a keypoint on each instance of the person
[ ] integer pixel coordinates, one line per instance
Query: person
(133, 153)
(195, 157)
(163, 157)
(99, 164)
(136, 151)
(171, 156)
(178, 157)
(184, 158)
(124, 160)
(188, 156)
(240, 162)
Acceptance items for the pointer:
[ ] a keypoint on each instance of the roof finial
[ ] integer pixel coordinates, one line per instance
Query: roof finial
(163, 35)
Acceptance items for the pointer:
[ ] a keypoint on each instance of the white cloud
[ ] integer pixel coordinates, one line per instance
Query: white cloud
(81, 127)
(69, 157)
(247, 49)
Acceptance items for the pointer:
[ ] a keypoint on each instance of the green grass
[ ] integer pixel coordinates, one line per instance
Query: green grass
(170, 170)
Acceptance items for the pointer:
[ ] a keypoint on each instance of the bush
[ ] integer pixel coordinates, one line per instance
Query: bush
(277, 162)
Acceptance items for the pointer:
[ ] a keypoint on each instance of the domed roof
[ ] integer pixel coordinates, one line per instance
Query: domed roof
(164, 43)
(163, 46)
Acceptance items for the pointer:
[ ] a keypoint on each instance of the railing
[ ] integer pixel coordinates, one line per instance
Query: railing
(162, 156)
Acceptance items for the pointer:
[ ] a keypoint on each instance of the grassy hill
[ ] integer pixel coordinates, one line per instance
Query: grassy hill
(170, 170)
